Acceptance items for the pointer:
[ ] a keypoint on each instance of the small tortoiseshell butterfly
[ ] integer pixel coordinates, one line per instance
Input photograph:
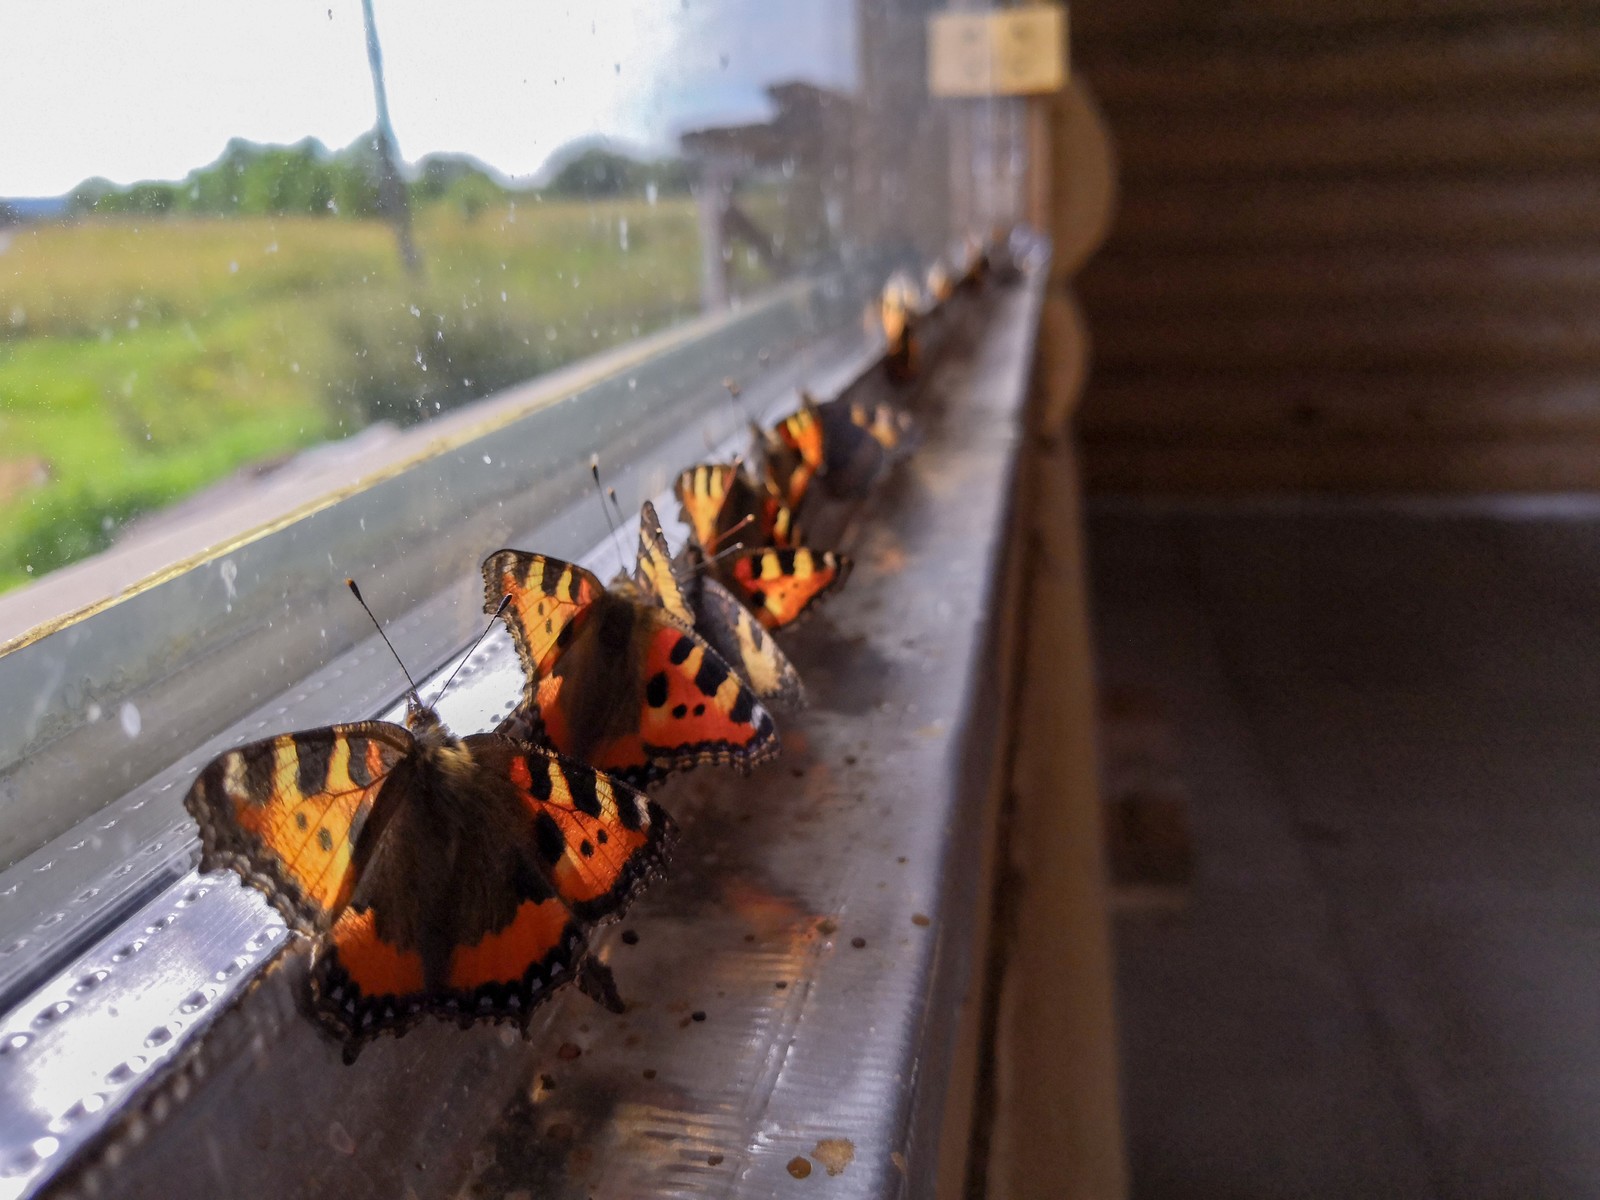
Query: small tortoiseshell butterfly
(622, 684)
(458, 877)
(897, 310)
(975, 264)
(847, 444)
(889, 427)
(718, 502)
(727, 626)
(779, 583)
(793, 454)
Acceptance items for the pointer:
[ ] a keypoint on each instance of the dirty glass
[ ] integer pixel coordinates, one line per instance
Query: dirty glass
(229, 235)
(254, 257)
(249, 255)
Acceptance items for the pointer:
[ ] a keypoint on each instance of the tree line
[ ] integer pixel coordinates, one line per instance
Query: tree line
(309, 179)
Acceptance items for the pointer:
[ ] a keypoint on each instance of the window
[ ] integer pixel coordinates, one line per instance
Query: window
(291, 295)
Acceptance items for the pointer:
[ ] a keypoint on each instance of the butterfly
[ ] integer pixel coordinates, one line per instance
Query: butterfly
(975, 263)
(618, 681)
(458, 877)
(718, 501)
(778, 581)
(846, 444)
(727, 626)
(897, 309)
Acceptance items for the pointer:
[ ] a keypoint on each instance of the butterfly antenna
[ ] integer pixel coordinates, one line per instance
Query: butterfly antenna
(611, 495)
(616, 542)
(707, 563)
(729, 532)
(361, 600)
(504, 601)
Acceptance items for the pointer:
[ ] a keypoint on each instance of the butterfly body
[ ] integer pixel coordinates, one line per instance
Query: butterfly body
(457, 877)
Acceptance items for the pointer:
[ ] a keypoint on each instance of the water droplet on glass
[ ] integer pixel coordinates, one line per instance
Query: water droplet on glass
(93, 713)
(129, 717)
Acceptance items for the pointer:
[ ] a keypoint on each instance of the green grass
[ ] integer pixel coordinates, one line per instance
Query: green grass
(141, 360)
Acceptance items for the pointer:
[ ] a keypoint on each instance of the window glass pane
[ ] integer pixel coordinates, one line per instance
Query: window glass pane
(230, 235)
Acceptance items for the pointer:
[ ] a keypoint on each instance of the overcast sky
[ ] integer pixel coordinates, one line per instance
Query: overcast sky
(154, 88)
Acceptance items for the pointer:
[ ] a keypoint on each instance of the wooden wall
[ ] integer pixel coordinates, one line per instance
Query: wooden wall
(1357, 246)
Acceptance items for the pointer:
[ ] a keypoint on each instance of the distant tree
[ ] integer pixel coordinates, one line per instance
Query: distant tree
(459, 181)
(594, 172)
(87, 195)
(597, 171)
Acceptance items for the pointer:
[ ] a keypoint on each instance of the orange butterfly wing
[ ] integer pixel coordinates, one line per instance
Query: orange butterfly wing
(654, 573)
(549, 598)
(703, 492)
(781, 585)
(607, 676)
(800, 433)
(285, 813)
(692, 710)
(697, 710)
(582, 844)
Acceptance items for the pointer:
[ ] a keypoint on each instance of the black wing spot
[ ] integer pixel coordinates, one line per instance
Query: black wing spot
(548, 629)
(758, 598)
(601, 836)
(681, 650)
(300, 821)
(549, 576)
(356, 768)
(258, 776)
(552, 845)
(680, 711)
(655, 691)
(325, 840)
(744, 704)
(585, 798)
(713, 673)
(539, 785)
(699, 710)
(311, 771)
(568, 632)
(586, 848)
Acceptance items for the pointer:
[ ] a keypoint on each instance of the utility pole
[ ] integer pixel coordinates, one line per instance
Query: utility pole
(392, 200)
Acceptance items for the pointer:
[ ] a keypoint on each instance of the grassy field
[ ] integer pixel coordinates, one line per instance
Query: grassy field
(142, 359)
